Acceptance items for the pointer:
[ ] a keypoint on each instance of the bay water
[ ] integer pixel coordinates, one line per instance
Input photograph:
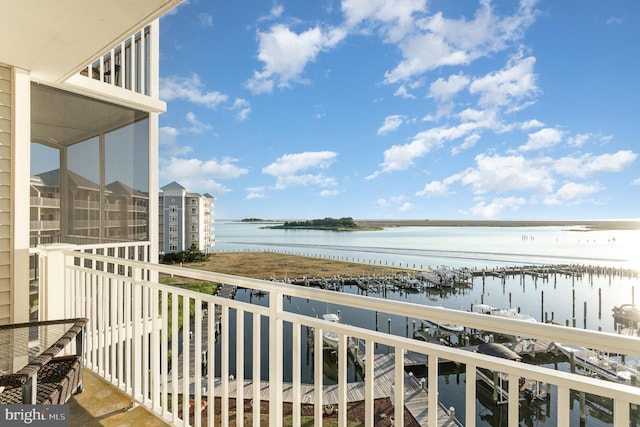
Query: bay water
(585, 302)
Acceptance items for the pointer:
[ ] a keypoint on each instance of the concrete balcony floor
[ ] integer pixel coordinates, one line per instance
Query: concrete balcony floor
(102, 404)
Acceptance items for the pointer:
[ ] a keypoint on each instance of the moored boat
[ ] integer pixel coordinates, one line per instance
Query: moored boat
(627, 312)
(446, 327)
(330, 338)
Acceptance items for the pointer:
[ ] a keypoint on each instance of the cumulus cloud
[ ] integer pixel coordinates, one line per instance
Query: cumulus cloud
(402, 92)
(401, 157)
(241, 108)
(196, 126)
(507, 173)
(497, 206)
(578, 140)
(434, 189)
(572, 193)
(444, 90)
(507, 87)
(256, 193)
(589, 164)
(167, 137)
(200, 175)
(438, 41)
(290, 169)
(635, 181)
(544, 138)
(395, 18)
(285, 54)
(390, 124)
(189, 89)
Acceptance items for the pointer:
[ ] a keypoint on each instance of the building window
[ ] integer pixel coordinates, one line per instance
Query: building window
(95, 155)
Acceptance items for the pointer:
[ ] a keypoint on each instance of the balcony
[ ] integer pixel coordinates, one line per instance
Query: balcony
(135, 326)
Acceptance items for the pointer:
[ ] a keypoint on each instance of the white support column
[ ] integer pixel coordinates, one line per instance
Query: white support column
(275, 359)
(53, 279)
(20, 180)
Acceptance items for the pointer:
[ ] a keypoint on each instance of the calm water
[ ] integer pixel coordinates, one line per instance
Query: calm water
(562, 298)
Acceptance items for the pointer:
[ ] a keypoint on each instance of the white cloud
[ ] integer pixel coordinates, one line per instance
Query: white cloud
(531, 124)
(189, 89)
(168, 142)
(406, 207)
(401, 157)
(469, 142)
(285, 54)
(390, 124)
(635, 181)
(507, 87)
(197, 126)
(507, 173)
(288, 169)
(205, 19)
(578, 140)
(276, 11)
(497, 206)
(572, 193)
(328, 193)
(242, 109)
(589, 164)
(256, 193)
(402, 92)
(444, 90)
(440, 41)
(200, 175)
(544, 138)
(434, 189)
(395, 18)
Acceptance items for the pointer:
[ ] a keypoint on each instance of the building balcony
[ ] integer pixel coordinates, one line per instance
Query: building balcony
(136, 340)
(47, 202)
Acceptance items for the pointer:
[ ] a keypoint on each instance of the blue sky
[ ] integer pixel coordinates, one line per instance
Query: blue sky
(404, 109)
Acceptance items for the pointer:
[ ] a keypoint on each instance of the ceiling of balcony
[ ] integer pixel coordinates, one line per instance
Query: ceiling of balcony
(55, 39)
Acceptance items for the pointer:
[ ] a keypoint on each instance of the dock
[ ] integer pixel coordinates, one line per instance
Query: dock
(416, 397)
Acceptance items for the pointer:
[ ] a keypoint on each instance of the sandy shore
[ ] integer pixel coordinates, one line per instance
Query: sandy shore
(588, 224)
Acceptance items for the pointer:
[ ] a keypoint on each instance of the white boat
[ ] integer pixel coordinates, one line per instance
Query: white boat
(447, 327)
(598, 363)
(510, 313)
(330, 338)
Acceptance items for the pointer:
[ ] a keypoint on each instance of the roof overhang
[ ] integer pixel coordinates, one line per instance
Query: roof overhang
(56, 39)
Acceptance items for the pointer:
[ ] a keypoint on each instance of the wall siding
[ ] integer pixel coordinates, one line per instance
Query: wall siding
(6, 235)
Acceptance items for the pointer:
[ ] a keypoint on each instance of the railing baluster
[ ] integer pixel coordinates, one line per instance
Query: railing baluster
(257, 329)
(224, 371)
(342, 380)
(514, 399)
(369, 383)
(197, 365)
(211, 363)
(175, 328)
(239, 367)
(113, 323)
(295, 374)
(186, 342)
(563, 405)
(432, 389)
(621, 413)
(470, 396)
(127, 342)
(136, 340)
(317, 376)
(164, 352)
(275, 359)
(398, 400)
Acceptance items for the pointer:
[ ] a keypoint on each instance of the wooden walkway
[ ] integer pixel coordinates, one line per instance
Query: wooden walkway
(416, 399)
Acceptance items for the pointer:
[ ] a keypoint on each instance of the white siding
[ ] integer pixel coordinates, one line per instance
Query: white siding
(6, 235)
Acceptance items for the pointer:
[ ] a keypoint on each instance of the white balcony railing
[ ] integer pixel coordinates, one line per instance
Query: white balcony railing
(130, 312)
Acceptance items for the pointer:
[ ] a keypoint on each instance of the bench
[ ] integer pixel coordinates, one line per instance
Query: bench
(47, 379)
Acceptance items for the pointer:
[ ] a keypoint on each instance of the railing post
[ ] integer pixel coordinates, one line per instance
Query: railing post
(275, 359)
(53, 281)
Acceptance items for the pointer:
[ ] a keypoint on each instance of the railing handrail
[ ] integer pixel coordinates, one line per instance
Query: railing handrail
(598, 340)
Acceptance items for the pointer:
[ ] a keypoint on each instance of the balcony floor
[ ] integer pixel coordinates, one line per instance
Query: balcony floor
(102, 404)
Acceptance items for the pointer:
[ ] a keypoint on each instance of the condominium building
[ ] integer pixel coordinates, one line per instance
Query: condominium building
(186, 219)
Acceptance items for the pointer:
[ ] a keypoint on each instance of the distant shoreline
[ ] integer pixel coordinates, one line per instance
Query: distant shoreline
(587, 224)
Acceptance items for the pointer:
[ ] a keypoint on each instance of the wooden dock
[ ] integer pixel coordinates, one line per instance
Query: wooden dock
(415, 397)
